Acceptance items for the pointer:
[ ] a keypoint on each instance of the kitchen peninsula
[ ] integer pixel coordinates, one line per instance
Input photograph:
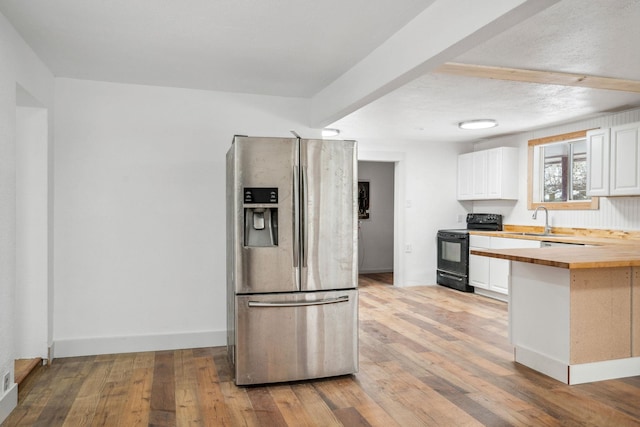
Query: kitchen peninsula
(574, 311)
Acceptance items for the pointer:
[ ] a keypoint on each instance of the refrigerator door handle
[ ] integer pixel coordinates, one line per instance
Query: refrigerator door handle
(296, 220)
(303, 215)
(299, 303)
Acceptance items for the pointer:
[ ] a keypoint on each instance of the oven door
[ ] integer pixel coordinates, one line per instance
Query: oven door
(453, 260)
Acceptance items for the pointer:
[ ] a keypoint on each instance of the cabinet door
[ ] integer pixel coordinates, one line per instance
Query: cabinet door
(598, 162)
(509, 173)
(479, 265)
(625, 161)
(494, 173)
(500, 270)
(480, 174)
(465, 176)
(502, 173)
(479, 271)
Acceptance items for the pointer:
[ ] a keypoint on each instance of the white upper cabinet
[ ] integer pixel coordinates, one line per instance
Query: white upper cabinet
(465, 182)
(598, 162)
(502, 173)
(614, 161)
(479, 173)
(488, 174)
(625, 161)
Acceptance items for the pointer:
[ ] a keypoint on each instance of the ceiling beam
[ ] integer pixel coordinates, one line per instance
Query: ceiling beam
(443, 31)
(541, 77)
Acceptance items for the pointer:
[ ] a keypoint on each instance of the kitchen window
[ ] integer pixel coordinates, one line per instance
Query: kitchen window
(557, 177)
(564, 171)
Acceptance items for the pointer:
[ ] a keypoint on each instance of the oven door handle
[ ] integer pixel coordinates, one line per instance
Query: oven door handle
(448, 276)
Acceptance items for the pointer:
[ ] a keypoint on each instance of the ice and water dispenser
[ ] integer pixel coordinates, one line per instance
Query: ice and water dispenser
(260, 216)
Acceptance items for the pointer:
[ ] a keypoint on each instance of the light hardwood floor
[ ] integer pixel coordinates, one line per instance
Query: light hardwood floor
(428, 356)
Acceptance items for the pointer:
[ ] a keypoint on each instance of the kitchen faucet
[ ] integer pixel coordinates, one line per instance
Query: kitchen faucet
(547, 229)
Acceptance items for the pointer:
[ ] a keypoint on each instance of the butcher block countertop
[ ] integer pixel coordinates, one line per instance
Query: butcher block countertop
(604, 248)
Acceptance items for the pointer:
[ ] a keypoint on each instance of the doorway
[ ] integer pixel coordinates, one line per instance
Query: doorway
(32, 316)
(376, 195)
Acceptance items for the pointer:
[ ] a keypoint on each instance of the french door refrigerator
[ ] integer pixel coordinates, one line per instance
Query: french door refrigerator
(291, 259)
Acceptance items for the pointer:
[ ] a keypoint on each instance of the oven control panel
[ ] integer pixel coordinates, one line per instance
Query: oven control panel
(484, 221)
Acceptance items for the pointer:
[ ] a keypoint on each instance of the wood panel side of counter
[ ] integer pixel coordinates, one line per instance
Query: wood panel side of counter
(635, 312)
(600, 314)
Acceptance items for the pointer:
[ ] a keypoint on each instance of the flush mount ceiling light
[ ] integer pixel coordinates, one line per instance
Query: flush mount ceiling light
(478, 124)
(330, 132)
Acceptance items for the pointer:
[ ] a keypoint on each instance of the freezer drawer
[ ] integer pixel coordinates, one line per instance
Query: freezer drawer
(296, 336)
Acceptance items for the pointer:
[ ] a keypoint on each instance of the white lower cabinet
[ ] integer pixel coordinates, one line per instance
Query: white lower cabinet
(479, 265)
(490, 276)
(500, 275)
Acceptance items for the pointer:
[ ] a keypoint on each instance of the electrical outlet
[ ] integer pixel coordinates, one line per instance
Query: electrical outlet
(7, 380)
(408, 248)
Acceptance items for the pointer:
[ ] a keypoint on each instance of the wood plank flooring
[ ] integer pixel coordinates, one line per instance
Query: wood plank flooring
(428, 356)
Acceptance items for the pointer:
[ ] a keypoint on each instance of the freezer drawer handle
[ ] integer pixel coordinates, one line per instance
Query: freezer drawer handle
(299, 303)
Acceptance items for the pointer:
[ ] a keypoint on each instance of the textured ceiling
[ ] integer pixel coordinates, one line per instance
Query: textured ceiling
(596, 38)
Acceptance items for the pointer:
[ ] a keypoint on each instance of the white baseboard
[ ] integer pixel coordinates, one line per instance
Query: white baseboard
(556, 369)
(133, 344)
(492, 294)
(410, 283)
(581, 373)
(8, 402)
(605, 370)
(375, 270)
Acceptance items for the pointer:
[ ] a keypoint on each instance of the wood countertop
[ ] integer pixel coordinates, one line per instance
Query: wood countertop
(601, 251)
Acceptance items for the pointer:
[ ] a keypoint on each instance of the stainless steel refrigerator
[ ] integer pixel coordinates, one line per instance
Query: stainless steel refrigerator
(291, 259)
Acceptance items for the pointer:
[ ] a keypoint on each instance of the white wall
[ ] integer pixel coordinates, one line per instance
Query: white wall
(425, 201)
(618, 213)
(140, 211)
(18, 65)
(375, 243)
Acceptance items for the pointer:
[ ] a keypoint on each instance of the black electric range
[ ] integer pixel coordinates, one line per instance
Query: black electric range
(453, 250)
